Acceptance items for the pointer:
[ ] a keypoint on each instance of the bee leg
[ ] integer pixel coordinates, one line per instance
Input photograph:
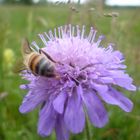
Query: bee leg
(89, 65)
(47, 55)
(74, 79)
(43, 104)
(72, 64)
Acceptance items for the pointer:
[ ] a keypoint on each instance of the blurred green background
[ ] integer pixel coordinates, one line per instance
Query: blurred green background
(25, 19)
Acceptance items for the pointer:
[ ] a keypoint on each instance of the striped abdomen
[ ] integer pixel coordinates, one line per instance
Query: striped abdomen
(41, 65)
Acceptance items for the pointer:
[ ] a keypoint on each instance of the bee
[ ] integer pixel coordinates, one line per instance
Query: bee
(38, 62)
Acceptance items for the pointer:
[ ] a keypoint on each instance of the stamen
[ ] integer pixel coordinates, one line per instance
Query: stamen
(55, 33)
(65, 29)
(78, 30)
(112, 45)
(70, 34)
(109, 48)
(100, 39)
(62, 31)
(35, 45)
(47, 36)
(59, 32)
(51, 35)
(73, 28)
(43, 39)
(93, 37)
(90, 34)
(83, 31)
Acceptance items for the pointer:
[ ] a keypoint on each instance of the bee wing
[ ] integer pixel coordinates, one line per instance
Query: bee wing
(18, 67)
(25, 47)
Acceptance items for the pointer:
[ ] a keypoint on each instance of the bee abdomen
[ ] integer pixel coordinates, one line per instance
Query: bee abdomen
(45, 68)
(33, 62)
(39, 65)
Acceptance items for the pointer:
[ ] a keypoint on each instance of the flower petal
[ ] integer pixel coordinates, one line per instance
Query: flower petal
(62, 132)
(100, 87)
(58, 103)
(122, 79)
(74, 115)
(95, 109)
(119, 55)
(106, 80)
(31, 101)
(117, 98)
(47, 118)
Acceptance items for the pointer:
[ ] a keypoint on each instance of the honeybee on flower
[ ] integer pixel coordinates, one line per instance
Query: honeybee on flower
(37, 61)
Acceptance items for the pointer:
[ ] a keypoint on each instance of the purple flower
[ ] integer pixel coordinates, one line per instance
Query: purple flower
(87, 77)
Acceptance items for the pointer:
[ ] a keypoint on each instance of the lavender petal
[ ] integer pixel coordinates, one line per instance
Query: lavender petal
(58, 103)
(47, 118)
(123, 80)
(115, 97)
(74, 115)
(31, 101)
(62, 132)
(95, 109)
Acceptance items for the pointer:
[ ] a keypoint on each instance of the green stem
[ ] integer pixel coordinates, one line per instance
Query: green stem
(1, 70)
(2, 39)
(88, 135)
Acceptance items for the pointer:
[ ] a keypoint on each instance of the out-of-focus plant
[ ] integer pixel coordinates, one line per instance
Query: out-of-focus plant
(8, 60)
(3, 36)
(27, 2)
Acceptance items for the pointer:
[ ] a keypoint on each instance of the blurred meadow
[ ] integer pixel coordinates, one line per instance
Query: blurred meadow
(121, 26)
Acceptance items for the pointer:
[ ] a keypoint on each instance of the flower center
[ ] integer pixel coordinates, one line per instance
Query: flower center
(76, 74)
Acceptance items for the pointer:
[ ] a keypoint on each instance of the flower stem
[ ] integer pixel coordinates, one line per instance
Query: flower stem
(88, 135)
